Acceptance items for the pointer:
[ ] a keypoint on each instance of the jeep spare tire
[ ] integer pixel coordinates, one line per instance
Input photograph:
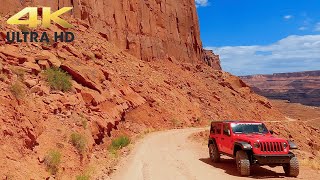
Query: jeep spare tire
(292, 168)
(243, 163)
(214, 153)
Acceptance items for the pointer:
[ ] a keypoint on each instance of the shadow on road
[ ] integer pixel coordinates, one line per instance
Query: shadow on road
(229, 166)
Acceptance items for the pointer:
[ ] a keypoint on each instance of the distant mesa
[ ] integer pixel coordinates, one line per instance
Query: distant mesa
(297, 87)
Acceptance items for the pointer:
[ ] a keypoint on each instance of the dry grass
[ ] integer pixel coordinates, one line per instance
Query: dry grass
(52, 161)
(17, 90)
(79, 142)
(58, 79)
(312, 163)
(19, 72)
(3, 77)
(176, 122)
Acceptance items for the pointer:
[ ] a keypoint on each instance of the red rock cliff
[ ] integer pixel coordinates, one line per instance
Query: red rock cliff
(148, 29)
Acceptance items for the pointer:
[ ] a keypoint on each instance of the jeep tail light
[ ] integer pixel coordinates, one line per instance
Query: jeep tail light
(256, 145)
(285, 145)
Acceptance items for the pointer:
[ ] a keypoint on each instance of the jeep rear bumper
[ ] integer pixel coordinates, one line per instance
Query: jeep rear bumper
(272, 159)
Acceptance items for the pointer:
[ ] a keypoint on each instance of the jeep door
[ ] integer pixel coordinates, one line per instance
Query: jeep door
(227, 140)
(218, 135)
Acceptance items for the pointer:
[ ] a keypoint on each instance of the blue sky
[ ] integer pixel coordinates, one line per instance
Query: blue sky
(262, 36)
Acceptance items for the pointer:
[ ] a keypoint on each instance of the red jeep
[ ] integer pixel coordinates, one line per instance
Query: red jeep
(251, 143)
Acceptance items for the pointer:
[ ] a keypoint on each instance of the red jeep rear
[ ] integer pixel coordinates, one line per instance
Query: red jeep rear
(251, 143)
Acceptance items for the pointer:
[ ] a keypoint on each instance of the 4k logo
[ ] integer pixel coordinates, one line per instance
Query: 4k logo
(47, 17)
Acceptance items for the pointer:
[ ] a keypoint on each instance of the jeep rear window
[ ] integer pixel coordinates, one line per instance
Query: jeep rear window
(248, 128)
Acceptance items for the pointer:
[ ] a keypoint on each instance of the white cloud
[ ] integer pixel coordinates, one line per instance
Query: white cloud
(317, 27)
(293, 53)
(303, 28)
(202, 3)
(287, 17)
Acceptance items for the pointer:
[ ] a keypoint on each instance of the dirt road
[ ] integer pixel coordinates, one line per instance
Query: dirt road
(170, 155)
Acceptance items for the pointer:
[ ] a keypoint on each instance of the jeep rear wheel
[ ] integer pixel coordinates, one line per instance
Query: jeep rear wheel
(243, 163)
(214, 153)
(292, 169)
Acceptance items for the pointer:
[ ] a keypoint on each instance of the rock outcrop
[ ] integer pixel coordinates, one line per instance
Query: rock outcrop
(147, 29)
(212, 59)
(298, 87)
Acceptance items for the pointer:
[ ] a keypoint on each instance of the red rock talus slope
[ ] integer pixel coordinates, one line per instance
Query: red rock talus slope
(112, 92)
(148, 29)
(300, 87)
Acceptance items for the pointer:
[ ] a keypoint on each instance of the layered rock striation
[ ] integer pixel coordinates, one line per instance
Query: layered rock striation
(298, 87)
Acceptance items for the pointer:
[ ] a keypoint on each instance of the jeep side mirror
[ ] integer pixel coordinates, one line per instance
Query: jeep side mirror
(271, 132)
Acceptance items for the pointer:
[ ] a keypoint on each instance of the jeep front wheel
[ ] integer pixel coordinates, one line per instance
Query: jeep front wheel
(214, 153)
(243, 163)
(292, 168)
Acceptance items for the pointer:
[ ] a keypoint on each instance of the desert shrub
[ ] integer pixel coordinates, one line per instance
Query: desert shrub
(19, 72)
(58, 79)
(176, 122)
(3, 77)
(17, 90)
(83, 177)
(313, 163)
(79, 142)
(83, 121)
(50, 42)
(119, 143)
(23, 28)
(52, 161)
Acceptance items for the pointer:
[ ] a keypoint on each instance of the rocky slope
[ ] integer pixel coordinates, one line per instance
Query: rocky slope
(147, 29)
(112, 93)
(299, 87)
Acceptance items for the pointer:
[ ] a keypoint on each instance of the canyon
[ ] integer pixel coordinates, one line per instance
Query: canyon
(296, 87)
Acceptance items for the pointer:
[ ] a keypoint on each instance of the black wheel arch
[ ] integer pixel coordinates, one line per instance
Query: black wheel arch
(241, 145)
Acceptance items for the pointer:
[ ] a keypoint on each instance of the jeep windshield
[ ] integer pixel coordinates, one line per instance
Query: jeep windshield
(248, 128)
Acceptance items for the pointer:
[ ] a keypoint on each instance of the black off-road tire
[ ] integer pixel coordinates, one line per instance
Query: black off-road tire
(292, 169)
(214, 153)
(243, 163)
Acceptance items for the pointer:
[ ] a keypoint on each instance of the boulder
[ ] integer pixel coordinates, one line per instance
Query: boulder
(43, 64)
(11, 51)
(52, 59)
(72, 50)
(40, 90)
(84, 75)
(31, 82)
(35, 68)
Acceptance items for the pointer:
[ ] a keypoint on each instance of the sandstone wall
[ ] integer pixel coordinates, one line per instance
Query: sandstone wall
(148, 29)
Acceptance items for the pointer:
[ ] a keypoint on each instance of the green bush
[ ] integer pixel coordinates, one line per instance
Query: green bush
(17, 90)
(58, 79)
(79, 142)
(83, 177)
(120, 142)
(52, 161)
